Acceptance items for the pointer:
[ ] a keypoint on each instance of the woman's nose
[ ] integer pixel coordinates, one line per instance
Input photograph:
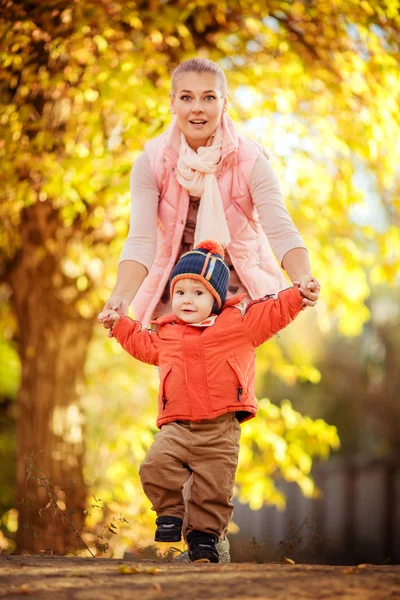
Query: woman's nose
(198, 106)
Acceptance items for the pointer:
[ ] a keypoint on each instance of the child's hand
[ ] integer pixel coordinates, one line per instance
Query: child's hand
(309, 288)
(109, 318)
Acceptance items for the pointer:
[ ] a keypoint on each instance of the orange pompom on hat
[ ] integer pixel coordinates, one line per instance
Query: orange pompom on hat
(205, 263)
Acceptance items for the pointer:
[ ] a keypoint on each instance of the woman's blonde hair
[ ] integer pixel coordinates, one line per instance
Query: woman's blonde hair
(199, 65)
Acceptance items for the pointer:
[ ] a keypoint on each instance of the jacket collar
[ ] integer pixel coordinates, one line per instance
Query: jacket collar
(230, 138)
(171, 318)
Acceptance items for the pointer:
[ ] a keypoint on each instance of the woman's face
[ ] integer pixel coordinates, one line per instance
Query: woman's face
(198, 103)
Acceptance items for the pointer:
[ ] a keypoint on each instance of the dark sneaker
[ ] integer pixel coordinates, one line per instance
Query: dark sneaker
(202, 546)
(168, 529)
(222, 549)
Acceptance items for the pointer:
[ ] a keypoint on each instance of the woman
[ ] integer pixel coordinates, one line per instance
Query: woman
(202, 180)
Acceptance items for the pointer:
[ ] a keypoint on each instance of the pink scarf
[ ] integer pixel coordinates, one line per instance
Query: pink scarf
(196, 173)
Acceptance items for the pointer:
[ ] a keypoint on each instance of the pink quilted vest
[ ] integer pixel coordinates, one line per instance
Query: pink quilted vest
(249, 249)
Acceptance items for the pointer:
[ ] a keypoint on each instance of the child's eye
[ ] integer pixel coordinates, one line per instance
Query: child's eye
(199, 293)
(179, 292)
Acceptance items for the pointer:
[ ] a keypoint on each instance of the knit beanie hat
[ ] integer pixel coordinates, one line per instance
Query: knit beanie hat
(205, 263)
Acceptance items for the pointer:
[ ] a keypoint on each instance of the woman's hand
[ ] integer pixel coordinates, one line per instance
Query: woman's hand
(115, 306)
(309, 287)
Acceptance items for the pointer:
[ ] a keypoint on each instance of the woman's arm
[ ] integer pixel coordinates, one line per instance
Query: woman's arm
(140, 247)
(297, 265)
(130, 277)
(286, 242)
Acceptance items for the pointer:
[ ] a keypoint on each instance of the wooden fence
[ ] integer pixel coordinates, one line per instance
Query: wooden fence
(356, 519)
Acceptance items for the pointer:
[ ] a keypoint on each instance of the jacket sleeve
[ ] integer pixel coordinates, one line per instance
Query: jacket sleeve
(268, 315)
(140, 343)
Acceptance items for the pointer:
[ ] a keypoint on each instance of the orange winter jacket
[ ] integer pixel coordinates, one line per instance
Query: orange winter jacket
(208, 369)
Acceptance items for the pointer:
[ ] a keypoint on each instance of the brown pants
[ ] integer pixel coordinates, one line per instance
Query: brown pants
(208, 450)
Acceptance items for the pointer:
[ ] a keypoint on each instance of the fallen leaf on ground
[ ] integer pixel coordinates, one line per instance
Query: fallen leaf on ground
(201, 560)
(290, 561)
(349, 570)
(25, 590)
(156, 586)
(77, 574)
(134, 570)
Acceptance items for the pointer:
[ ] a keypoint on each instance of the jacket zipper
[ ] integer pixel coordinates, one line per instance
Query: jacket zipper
(241, 380)
(163, 396)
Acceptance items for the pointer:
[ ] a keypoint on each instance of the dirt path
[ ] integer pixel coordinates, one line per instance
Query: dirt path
(58, 578)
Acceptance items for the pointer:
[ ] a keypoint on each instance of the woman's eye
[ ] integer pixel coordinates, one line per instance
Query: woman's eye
(185, 98)
(210, 97)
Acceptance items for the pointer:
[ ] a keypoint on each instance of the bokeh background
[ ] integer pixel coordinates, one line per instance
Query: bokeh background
(83, 86)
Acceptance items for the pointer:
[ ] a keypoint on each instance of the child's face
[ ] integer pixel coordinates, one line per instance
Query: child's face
(191, 301)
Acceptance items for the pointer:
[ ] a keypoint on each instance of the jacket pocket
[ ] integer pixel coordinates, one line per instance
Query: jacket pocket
(242, 384)
(162, 399)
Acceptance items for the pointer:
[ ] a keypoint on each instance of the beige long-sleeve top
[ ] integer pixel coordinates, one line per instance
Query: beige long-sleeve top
(265, 191)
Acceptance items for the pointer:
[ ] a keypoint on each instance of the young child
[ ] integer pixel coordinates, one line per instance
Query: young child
(206, 354)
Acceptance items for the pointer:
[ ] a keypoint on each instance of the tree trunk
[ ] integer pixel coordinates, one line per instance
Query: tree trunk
(53, 340)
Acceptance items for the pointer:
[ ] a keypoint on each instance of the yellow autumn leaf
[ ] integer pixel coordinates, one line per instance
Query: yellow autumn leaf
(137, 570)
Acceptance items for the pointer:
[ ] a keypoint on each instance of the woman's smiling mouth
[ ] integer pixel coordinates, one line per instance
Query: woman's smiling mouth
(198, 123)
